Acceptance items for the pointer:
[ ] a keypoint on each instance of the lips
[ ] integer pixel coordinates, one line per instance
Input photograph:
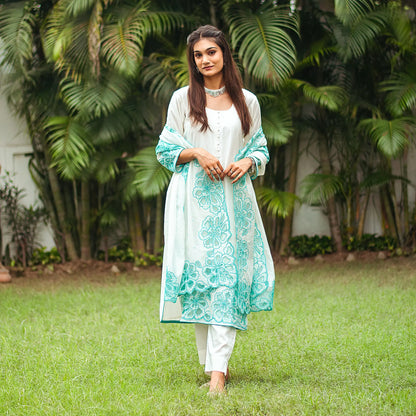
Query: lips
(207, 68)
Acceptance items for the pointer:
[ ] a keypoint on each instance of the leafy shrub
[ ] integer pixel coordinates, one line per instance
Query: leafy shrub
(22, 221)
(126, 254)
(370, 242)
(306, 246)
(43, 256)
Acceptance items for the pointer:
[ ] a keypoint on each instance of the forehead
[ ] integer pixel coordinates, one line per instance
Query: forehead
(204, 44)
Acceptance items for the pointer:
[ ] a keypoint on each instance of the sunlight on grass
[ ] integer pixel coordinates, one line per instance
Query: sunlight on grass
(340, 341)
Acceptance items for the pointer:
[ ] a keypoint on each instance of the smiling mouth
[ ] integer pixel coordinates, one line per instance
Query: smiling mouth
(207, 67)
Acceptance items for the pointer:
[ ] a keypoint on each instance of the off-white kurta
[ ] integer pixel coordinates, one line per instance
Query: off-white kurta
(217, 265)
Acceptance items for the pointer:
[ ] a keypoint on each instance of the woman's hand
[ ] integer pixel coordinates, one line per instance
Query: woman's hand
(237, 170)
(208, 162)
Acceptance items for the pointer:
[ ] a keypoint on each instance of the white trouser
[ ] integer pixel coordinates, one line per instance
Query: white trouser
(215, 344)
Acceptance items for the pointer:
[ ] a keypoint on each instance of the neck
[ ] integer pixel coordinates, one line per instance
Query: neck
(214, 83)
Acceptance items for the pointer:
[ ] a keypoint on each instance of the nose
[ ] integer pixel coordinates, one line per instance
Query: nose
(205, 58)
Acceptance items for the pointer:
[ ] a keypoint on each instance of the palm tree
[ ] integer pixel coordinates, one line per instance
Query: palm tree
(352, 34)
(93, 116)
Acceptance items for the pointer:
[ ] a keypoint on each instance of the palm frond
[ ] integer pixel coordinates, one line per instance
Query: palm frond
(16, 36)
(70, 148)
(115, 126)
(265, 48)
(276, 119)
(66, 43)
(401, 29)
(401, 91)
(150, 177)
(162, 74)
(103, 165)
(349, 11)
(95, 98)
(331, 97)
(353, 41)
(380, 178)
(124, 38)
(390, 136)
(317, 188)
(277, 203)
(74, 8)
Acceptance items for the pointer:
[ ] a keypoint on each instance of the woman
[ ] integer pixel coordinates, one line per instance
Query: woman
(217, 265)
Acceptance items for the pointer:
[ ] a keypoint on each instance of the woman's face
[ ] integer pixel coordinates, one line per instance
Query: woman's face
(208, 57)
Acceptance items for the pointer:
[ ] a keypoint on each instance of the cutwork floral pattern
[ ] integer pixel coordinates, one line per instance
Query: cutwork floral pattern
(215, 231)
(208, 194)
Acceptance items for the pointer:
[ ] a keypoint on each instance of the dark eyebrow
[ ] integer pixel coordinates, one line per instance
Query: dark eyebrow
(211, 47)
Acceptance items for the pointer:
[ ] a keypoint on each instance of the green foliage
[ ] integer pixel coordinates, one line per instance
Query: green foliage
(277, 203)
(331, 97)
(70, 146)
(390, 136)
(370, 242)
(16, 32)
(42, 256)
(349, 11)
(305, 246)
(126, 254)
(317, 188)
(22, 221)
(264, 46)
(150, 178)
(309, 246)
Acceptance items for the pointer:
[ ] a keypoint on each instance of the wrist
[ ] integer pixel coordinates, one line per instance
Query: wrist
(252, 168)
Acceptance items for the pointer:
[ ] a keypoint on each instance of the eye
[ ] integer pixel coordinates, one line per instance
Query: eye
(211, 53)
(197, 55)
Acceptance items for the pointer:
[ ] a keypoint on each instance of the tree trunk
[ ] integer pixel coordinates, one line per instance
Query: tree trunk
(405, 194)
(331, 205)
(60, 210)
(389, 226)
(135, 229)
(85, 222)
(288, 221)
(362, 214)
(212, 13)
(396, 215)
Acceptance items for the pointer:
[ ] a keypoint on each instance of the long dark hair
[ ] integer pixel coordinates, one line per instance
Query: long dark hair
(232, 79)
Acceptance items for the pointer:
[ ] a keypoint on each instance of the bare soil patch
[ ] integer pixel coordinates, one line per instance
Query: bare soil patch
(101, 273)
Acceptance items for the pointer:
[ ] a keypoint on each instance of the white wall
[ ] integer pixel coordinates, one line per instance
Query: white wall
(15, 151)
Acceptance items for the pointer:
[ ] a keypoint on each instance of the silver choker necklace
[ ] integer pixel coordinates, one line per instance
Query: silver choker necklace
(215, 93)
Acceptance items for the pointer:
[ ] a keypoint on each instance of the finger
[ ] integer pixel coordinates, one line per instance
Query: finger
(234, 173)
(213, 175)
(238, 177)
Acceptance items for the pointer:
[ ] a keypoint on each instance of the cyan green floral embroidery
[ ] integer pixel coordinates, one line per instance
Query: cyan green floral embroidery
(220, 268)
(210, 195)
(215, 231)
(223, 305)
(261, 296)
(195, 306)
(230, 279)
(167, 154)
(171, 287)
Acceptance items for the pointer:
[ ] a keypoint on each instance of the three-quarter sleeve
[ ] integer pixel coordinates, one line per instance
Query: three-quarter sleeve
(256, 147)
(167, 153)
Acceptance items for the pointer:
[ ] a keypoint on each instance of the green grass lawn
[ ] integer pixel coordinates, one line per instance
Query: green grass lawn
(340, 341)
